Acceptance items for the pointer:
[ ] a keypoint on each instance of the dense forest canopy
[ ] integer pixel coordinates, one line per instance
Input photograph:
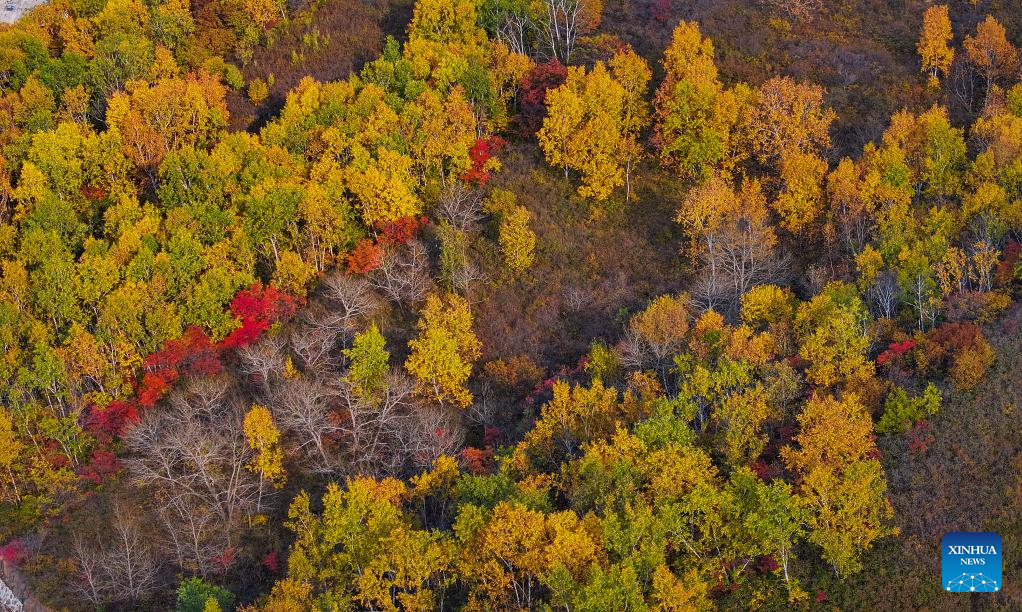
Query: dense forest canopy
(508, 304)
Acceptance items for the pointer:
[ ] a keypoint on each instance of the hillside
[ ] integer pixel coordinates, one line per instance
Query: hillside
(508, 304)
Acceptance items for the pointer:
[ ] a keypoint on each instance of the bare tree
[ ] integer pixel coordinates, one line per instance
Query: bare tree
(119, 567)
(303, 407)
(565, 21)
(966, 88)
(466, 276)
(733, 268)
(195, 533)
(461, 206)
(882, 295)
(313, 344)
(736, 244)
(351, 300)
(404, 274)
(431, 431)
(576, 298)
(373, 427)
(88, 581)
(484, 409)
(263, 360)
(797, 9)
(131, 565)
(194, 455)
(206, 396)
(515, 29)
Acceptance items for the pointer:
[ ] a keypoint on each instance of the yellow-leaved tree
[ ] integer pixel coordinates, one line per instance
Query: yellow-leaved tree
(842, 482)
(517, 242)
(383, 187)
(442, 355)
(732, 238)
(10, 449)
(991, 52)
(834, 337)
(697, 121)
(263, 437)
(361, 552)
(934, 52)
(446, 21)
(801, 200)
(789, 116)
(593, 122)
(633, 73)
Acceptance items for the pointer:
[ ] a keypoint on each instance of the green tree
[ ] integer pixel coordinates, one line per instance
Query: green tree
(194, 594)
(771, 514)
(834, 336)
(370, 361)
(362, 550)
(696, 127)
(901, 411)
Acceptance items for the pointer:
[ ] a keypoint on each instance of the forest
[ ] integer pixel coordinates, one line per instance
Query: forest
(581, 305)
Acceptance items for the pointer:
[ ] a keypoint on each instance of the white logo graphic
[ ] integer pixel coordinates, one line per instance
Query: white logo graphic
(971, 582)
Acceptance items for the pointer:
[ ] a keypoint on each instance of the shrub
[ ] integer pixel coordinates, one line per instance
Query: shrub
(940, 346)
(518, 373)
(603, 362)
(258, 91)
(194, 593)
(971, 365)
(980, 306)
(902, 412)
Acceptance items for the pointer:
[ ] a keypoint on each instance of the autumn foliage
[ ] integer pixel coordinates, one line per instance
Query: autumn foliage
(256, 309)
(102, 465)
(111, 421)
(365, 257)
(192, 354)
(961, 350)
(895, 349)
(400, 231)
(571, 342)
(532, 93)
(482, 158)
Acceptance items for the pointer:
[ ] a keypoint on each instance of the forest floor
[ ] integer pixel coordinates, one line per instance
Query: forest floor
(594, 264)
(326, 40)
(963, 472)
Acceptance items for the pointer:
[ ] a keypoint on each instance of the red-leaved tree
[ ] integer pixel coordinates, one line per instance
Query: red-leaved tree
(480, 153)
(400, 231)
(532, 94)
(192, 353)
(112, 421)
(365, 257)
(102, 465)
(257, 308)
